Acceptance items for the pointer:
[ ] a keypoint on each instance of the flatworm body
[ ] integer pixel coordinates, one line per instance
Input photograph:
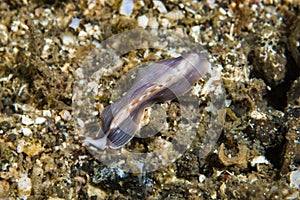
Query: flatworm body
(159, 82)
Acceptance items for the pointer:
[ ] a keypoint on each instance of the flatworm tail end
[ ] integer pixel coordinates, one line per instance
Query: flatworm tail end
(98, 142)
(118, 138)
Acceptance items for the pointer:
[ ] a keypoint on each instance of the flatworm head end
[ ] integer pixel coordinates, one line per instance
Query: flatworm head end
(199, 61)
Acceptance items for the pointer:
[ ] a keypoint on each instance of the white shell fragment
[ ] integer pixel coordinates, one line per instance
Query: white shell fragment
(39, 120)
(126, 7)
(26, 131)
(153, 23)
(3, 34)
(259, 160)
(24, 186)
(174, 15)
(295, 179)
(159, 6)
(143, 21)
(26, 120)
(46, 113)
(20, 146)
(68, 38)
(195, 33)
(75, 23)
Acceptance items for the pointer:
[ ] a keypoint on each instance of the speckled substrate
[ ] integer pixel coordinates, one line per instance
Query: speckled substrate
(257, 44)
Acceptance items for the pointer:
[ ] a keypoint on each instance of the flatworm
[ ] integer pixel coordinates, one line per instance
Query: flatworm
(160, 81)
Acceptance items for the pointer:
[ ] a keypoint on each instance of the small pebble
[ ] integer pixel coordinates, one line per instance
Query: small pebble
(4, 188)
(65, 115)
(26, 131)
(46, 113)
(12, 137)
(39, 120)
(202, 178)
